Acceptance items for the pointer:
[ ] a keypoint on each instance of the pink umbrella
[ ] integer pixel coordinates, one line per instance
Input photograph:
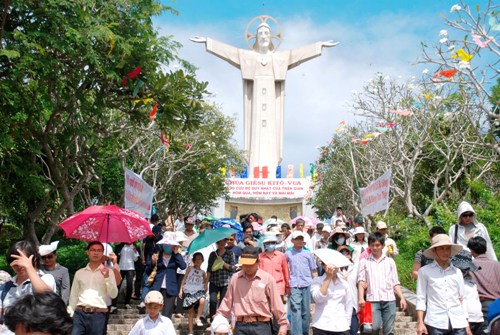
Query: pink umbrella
(106, 224)
(309, 221)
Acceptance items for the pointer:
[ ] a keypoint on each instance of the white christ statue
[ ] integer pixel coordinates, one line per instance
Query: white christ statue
(263, 70)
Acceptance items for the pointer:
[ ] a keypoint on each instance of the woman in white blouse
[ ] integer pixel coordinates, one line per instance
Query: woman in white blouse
(359, 243)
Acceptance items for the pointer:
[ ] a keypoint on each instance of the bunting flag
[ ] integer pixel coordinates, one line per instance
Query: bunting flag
(165, 142)
(223, 171)
(244, 173)
(134, 73)
(231, 172)
(289, 173)
(278, 171)
(256, 172)
(137, 87)
(301, 170)
(478, 41)
(342, 128)
(403, 112)
(446, 73)
(463, 55)
(311, 169)
(152, 115)
(265, 172)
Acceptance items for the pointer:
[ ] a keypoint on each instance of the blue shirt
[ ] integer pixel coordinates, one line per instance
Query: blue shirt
(301, 263)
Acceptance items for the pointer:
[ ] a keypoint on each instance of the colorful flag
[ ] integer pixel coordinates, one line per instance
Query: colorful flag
(301, 170)
(223, 171)
(244, 173)
(231, 172)
(311, 169)
(289, 173)
(278, 171)
(265, 172)
(256, 172)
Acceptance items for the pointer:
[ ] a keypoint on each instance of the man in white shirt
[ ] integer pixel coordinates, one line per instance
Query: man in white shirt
(440, 292)
(339, 215)
(91, 285)
(179, 222)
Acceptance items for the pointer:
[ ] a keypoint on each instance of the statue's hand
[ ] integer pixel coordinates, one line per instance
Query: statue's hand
(329, 44)
(198, 39)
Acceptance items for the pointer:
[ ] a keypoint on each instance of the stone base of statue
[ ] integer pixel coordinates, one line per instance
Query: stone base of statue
(285, 198)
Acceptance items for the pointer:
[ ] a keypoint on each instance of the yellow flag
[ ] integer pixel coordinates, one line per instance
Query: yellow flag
(464, 56)
(301, 170)
(223, 171)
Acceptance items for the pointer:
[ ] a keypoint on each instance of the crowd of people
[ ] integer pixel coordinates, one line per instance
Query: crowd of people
(264, 283)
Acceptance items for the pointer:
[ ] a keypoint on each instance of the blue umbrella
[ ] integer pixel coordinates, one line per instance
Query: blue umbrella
(232, 224)
(208, 237)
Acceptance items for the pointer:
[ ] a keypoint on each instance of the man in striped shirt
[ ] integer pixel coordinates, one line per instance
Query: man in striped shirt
(378, 276)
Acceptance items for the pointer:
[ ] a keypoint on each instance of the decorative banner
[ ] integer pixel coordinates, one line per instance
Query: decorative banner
(375, 197)
(289, 174)
(253, 188)
(278, 171)
(256, 172)
(138, 194)
(244, 173)
(265, 172)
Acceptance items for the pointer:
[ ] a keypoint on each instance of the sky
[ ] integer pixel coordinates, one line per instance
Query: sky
(374, 36)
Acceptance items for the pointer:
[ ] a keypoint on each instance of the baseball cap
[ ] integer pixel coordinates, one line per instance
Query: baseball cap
(381, 225)
(153, 297)
(359, 219)
(249, 255)
(296, 234)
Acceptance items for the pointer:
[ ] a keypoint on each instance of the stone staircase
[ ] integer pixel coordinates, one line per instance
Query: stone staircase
(123, 320)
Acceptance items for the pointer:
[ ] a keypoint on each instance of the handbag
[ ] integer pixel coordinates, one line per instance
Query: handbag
(218, 264)
(365, 318)
(152, 276)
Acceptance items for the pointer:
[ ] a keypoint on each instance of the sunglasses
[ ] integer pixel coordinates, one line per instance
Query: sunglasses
(47, 257)
(467, 215)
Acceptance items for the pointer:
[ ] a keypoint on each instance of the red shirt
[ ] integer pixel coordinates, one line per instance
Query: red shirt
(276, 266)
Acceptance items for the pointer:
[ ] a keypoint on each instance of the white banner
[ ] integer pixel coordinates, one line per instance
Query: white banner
(276, 188)
(138, 194)
(375, 197)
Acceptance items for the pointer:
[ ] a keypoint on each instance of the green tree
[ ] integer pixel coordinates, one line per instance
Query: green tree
(64, 105)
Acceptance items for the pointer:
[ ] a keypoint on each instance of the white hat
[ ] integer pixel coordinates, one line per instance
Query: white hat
(339, 230)
(381, 225)
(297, 233)
(44, 250)
(327, 228)
(220, 325)
(180, 236)
(333, 257)
(359, 230)
(108, 249)
(275, 231)
(153, 297)
(441, 240)
(269, 237)
(169, 238)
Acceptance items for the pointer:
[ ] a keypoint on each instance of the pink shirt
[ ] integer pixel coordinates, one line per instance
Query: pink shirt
(257, 296)
(381, 276)
(277, 267)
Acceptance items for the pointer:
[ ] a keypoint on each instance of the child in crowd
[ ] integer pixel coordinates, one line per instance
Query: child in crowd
(153, 321)
(194, 287)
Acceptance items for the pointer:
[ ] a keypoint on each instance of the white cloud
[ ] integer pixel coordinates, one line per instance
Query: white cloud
(316, 91)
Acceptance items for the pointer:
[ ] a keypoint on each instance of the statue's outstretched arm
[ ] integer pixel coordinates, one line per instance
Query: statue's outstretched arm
(198, 39)
(328, 44)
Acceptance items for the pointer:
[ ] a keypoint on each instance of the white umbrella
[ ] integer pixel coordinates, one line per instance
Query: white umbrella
(333, 257)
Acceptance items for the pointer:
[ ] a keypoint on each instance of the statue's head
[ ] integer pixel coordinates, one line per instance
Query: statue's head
(263, 38)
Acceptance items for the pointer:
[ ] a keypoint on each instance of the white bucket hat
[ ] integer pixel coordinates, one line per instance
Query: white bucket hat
(359, 230)
(439, 241)
(44, 250)
(168, 238)
(269, 237)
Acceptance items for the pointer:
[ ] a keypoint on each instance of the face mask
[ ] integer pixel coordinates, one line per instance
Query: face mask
(340, 240)
(270, 247)
(167, 249)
